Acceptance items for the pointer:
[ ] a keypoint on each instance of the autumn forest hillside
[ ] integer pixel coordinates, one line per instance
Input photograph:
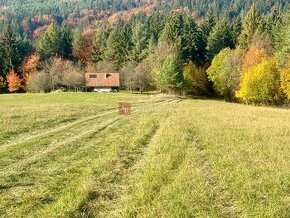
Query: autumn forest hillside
(235, 49)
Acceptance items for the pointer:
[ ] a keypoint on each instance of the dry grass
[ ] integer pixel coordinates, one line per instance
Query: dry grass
(72, 155)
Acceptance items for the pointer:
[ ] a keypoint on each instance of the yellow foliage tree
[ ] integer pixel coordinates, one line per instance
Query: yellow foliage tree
(261, 84)
(285, 80)
(195, 79)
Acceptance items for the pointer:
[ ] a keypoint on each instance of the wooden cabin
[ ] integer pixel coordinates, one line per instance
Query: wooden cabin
(103, 82)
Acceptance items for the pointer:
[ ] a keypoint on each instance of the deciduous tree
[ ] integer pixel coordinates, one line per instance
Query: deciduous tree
(13, 81)
(261, 84)
(224, 72)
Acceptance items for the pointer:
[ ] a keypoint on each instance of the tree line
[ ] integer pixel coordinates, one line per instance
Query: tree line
(244, 57)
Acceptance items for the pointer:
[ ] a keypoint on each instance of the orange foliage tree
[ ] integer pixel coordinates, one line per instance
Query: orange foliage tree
(13, 81)
(253, 57)
(82, 45)
(29, 65)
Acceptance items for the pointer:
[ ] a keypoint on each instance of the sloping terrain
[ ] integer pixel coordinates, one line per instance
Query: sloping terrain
(73, 155)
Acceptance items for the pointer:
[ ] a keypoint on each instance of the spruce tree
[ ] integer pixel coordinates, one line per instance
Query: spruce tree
(77, 45)
(209, 23)
(118, 46)
(47, 46)
(10, 50)
(64, 44)
(219, 38)
(99, 45)
(140, 42)
(250, 25)
(192, 46)
(173, 28)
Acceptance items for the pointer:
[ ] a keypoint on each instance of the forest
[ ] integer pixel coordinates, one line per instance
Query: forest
(235, 49)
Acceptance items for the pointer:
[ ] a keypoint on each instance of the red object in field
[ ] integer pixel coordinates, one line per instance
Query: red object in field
(124, 108)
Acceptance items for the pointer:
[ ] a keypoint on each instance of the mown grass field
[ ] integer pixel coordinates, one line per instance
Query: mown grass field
(72, 155)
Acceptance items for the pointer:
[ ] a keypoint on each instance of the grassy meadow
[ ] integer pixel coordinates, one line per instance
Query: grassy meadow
(73, 155)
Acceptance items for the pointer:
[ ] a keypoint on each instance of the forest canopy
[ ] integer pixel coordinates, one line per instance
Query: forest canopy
(213, 48)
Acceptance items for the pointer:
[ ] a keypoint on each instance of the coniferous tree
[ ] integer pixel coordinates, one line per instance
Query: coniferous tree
(219, 38)
(77, 45)
(155, 24)
(192, 46)
(208, 23)
(118, 46)
(282, 41)
(64, 47)
(47, 46)
(250, 25)
(10, 50)
(99, 45)
(140, 42)
(173, 28)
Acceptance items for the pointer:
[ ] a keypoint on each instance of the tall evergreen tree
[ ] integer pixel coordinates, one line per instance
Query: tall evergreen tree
(10, 50)
(192, 46)
(250, 25)
(209, 23)
(77, 45)
(140, 42)
(118, 46)
(173, 28)
(155, 24)
(99, 45)
(47, 46)
(64, 44)
(219, 38)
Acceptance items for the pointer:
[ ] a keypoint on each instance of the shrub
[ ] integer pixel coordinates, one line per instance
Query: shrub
(56, 73)
(135, 77)
(38, 82)
(73, 77)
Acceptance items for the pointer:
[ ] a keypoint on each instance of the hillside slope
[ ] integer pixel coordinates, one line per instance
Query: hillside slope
(65, 8)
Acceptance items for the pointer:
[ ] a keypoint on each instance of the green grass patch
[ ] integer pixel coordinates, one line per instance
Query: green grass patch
(73, 155)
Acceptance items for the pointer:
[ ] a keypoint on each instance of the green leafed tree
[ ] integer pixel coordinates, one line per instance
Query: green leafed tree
(171, 77)
(224, 72)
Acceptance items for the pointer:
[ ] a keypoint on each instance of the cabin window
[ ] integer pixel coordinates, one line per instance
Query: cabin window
(93, 76)
(108, 75)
